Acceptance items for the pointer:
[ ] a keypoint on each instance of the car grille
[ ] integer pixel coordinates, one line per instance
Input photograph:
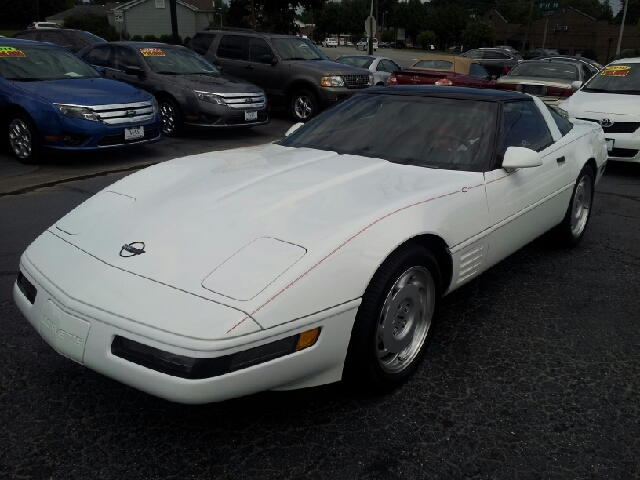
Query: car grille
(239, 119)
(623, 153)
(243, 100)
(532, 88)
(118, 139)
(356, 81)
(123, 114)
(617, 127)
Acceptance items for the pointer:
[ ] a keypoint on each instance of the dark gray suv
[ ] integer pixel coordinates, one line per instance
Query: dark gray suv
(294, 74)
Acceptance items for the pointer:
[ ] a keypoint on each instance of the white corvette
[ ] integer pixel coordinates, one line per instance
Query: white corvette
(612, 99)
(310, 261)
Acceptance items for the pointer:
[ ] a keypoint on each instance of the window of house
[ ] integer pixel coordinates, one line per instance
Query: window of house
(159, 3)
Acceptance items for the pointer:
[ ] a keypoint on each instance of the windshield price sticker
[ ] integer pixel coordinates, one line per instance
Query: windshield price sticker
(151, 52)
(11, 52)
(615, 71)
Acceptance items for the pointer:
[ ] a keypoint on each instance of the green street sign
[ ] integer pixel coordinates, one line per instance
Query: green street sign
(548, 6)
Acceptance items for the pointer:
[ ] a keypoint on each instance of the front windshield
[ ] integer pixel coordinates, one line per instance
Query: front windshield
(559, 70)
(297, 49)
(435, 132)
(36, 63)
(176, 61)
(362, 62)
(616, 79)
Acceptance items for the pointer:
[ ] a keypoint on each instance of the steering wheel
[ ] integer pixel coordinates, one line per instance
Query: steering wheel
(459, 156)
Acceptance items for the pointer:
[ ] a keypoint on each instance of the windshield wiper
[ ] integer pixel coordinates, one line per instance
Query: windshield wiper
(163, 72)
(596, 90)
(24, 79)
(297, 58)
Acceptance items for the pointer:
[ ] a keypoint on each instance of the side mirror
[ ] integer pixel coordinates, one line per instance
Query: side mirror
(520, 157)
(269, 59)
(100, 70)
(294, 128)
(137, 71)
(576, 85)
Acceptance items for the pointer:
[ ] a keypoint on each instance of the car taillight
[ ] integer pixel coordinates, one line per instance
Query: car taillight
(559, 92)
(392, 80)
(505, 69)
(444, 81)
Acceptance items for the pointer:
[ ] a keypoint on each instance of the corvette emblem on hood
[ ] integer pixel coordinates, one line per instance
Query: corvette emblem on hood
(132, 249)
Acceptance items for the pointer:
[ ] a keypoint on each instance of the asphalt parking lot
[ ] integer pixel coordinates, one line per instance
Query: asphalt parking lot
(533, 372)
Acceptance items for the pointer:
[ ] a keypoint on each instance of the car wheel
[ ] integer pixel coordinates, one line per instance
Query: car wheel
(574, 224)
(24, 139)
(303, 105)
(394, 322)
(172, 123)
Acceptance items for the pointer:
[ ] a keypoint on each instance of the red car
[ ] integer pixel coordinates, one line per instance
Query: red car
(444, 70)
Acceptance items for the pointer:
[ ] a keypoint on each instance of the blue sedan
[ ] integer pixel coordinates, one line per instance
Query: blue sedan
(51, 101)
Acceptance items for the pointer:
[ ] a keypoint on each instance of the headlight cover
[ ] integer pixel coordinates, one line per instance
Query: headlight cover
(210, 97)
(156, 107)
(370, 79)
(333, 81)
(73, 111)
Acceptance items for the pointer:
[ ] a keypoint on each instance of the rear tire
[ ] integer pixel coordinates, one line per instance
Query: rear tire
(574, 225)
(24, 138)
(394, 323)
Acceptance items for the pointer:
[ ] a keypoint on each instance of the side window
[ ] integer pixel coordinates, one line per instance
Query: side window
(258, 47)
(201, 42)
(99, 56)
(586, 73)
(125, 57)
(523, 126)
(26, 35)
(491, 55)
(563, 124)
(477, 70)
(474, 54)
(387, 66)
(232, 46)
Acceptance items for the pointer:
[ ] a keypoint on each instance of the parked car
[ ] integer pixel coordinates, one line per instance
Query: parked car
(330, 42)
(455, 48)
(592, 67)
(539, 52)
(507, 48)
(611, 99)
(294, 74)
(496, 61)
(74, 40)
(189, 89)
(381, 67)
(299, 290)
(363, 44)
(39, 25)
(444, 70)
(399, 44)
(551, 80)
(54, 102)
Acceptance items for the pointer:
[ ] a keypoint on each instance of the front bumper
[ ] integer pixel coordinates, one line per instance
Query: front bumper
(70, 321)
(201, 114)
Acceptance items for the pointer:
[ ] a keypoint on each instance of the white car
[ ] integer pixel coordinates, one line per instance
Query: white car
(381, 67)
(612, 99)
(318, 259)
(330, 42)
(363, 44)
(42, 25)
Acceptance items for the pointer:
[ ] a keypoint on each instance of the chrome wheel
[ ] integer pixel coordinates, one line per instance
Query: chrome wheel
(580, 206)
(405, 320)
(303, 106)
(169, 117)
(20, 138)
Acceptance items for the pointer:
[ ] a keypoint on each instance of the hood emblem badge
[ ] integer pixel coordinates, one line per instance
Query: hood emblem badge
(130, 113)
(132, 249)
(605, 122)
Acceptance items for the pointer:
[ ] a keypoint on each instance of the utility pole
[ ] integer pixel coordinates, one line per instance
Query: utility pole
(624, 16)
(174, 19)
(371, 30)
(524, 42)
(253, 15)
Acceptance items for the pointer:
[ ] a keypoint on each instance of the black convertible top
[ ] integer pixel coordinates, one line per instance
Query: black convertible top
(449, 92)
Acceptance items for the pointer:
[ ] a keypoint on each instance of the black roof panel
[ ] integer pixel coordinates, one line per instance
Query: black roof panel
(485, 94)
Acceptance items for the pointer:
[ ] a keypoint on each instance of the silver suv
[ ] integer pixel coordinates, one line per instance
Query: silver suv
(291, 70)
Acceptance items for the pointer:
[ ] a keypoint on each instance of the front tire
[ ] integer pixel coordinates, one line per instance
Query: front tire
(172, 121)
(394, 322)
(574, 225)
(304, 105)
(24, 138)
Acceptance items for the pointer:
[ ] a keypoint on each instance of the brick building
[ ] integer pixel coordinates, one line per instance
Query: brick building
(568, 29)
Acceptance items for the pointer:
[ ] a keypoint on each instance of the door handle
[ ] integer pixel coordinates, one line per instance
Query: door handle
(249, 67)
(560, 160)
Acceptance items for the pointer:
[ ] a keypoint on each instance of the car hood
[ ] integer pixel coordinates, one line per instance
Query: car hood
(326, 67)
(195, 213)
(605, 103)
(212, 83)
(84, 91)
(551, 82)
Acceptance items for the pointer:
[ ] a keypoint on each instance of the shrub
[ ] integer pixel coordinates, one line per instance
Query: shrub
(426, 38)
(96, 24)
(137, 38)
(170, 39)
(630, 53)
(150, 38)
(186, 41)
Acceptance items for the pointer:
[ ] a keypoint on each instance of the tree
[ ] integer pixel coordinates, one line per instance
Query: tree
(271, 15)
(478, 34)
(426, 38)
(17, 14)
(96, 24)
